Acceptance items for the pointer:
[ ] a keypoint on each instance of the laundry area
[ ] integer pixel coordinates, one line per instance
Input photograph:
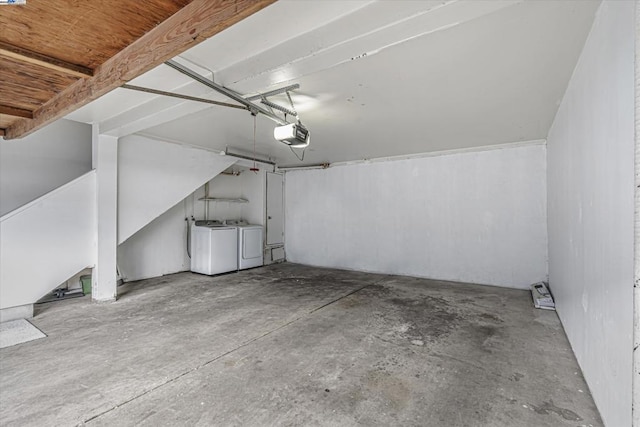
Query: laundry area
(223, 245)
(323, 213)
(219, 228)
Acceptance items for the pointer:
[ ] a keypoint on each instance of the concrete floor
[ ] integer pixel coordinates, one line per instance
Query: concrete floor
(295, 345)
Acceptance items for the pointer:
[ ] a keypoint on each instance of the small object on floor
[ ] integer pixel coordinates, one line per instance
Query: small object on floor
(18, 332)
(86, 284)
(542, 297)
(61, 294)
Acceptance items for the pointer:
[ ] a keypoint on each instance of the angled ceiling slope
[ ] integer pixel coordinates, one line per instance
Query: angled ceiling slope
(377, 78)
(391, 78)
(56, 56)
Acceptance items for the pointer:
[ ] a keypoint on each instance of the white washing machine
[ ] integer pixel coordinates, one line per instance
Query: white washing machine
(214, 248)
(250, 244)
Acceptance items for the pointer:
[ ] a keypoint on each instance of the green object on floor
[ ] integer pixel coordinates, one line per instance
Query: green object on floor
(86, 284)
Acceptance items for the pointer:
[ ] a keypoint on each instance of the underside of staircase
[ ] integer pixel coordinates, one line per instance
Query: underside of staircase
(51, 239)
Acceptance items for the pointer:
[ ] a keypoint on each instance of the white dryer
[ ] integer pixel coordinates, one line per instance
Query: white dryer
(250, 244)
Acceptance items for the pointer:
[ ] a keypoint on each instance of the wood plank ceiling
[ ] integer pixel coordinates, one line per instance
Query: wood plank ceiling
(56, 56)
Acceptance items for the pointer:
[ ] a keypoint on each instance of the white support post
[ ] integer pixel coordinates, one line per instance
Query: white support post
(635, 402)
(105, 158)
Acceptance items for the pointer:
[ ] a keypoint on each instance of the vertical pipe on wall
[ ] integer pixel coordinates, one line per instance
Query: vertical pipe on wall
(206, 201)
(636, 280)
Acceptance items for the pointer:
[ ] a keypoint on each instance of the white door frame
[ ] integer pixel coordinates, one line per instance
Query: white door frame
(281, 243)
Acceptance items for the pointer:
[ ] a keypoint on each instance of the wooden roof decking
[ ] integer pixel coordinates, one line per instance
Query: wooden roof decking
(56, 56)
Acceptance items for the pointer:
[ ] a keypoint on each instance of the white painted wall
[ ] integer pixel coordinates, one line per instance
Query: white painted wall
(223, 186)
(32, 166)
(154, 175)
(36, 257)
(254, 190)
(476, 217)
(158, 249)
(248, 185)
(635, 402)
(590, 197)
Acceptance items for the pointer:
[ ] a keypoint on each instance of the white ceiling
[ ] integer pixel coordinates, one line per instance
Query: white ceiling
(376, 79)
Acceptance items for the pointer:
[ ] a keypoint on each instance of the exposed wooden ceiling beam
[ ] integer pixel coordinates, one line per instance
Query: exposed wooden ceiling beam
(189, 26)
(45, 61)
(15, 111)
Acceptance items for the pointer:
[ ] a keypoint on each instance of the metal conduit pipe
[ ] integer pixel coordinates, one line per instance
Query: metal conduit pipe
(253, 159)
(253, 108)
(206, 204)
(180, 96)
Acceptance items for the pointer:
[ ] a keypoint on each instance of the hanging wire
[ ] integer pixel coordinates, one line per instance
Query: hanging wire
(296, 154)
(186, 218)
(254, 168)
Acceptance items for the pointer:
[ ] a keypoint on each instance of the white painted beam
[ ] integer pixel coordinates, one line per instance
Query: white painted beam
(635, 403)
(122, 112)
(348, 38)
(155, 112)
(159, 109)
(365, 32)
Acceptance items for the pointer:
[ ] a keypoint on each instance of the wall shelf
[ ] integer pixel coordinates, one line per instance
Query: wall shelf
(223, 199)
